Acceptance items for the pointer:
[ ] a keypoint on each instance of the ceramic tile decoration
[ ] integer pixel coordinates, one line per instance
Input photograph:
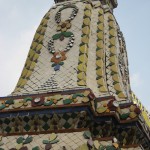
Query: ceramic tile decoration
(74, 91)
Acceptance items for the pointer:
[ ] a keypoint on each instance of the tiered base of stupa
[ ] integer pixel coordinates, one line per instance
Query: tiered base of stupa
(71, 120)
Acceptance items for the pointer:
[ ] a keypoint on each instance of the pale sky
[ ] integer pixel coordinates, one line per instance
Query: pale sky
(20, 19)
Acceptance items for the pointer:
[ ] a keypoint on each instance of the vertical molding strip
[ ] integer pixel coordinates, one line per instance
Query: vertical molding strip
(100, 55)
(83, 50)
(113, 58)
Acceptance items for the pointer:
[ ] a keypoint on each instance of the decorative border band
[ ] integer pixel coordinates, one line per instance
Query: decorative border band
(83, 50)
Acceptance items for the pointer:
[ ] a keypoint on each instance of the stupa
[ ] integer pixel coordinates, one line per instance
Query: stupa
(74, 91)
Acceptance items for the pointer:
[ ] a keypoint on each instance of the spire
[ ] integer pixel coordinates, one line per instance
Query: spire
(112, 3)
(75, 79)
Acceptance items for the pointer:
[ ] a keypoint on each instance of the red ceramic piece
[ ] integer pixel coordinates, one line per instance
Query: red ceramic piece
(137, 111)
(36, 104)
(58, 60)
(48, 146)
(24, 148)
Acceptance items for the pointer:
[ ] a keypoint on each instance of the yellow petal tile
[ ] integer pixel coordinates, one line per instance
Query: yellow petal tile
(83, 58)
(113, 41)
(101, 26)
(83, 48)
(85, 39)
(117, 87)
(37, 35)
(99, 63)
(25, 71)
(111, 24)
(114, 68)
(132, 108)
(39, 47)
(47, 16)
(86, 93)
(43, 30)
(81, 83)
(87, 13)
(100, 54)
(23, 82)
(19, 82)
(88, 6)
(52, 137)
(31, 54)
(101, 109)
(85, 100)
(103, 89)
(101, 81)
(113, 50)
(36, 56)
(18, 146)
(112, 32)
(64, 29)
(99, 72)
(116, 145)
(116, 77)
(41, 38)
(34, 45)
(68, 25)
(17, 89)
(17, 105)
(39, 28)
(82, 67)
(96, 144)
(97, 5)
(83, 147)
(32, 65)
(100, 35)
(87, 21)
(58, 28)
(28, 74)
(132, 115)
(111, 17)
(101, 19)
(121, 95)
(100, 44)
(113, 59)
(81, 76)
(86, 30)
(44, 22)
(101, 11)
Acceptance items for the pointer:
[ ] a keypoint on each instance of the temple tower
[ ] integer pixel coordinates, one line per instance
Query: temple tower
(80, 47)
(74, 91)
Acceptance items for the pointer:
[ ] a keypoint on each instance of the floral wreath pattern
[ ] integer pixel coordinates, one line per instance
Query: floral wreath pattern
(65, 25)
(60, 56)
(62, 27)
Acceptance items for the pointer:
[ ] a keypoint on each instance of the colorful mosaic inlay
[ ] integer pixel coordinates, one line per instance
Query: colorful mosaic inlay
(74, 91)
(100, 53)
(83, 55)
